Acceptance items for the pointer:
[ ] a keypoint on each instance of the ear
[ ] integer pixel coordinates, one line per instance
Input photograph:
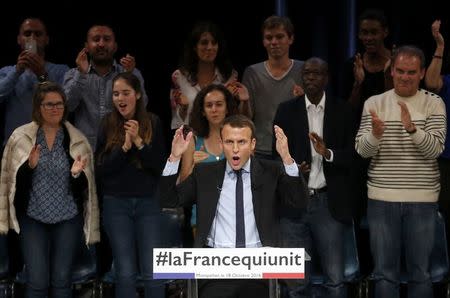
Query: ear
(19, 40)
(253, 144)
(115, 47)
(422, 73)
(138, 96)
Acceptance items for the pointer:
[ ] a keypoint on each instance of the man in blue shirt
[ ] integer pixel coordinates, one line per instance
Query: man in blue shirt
(89, 85)
(17, 81)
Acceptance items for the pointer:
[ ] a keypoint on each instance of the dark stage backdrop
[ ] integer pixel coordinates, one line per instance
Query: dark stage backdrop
(155, 36)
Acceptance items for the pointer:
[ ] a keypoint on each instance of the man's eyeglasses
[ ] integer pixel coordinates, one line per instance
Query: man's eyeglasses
(51, 106)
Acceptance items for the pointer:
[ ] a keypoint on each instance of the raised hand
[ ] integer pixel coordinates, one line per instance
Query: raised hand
(128, 62)
(405, 116)
(82, 61)
(319, 145)
(378, 126)
(179, 144)
(78, 165)
(282, 145)
(435, 31)
(358, 69)
(33, 158)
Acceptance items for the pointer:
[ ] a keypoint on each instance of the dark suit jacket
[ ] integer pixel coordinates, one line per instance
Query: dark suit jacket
(338, 135)
(271, 186)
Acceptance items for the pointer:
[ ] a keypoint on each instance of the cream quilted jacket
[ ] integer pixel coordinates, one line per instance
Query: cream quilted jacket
(16, 153)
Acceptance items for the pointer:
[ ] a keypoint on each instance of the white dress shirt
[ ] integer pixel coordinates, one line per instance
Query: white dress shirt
(315, 122)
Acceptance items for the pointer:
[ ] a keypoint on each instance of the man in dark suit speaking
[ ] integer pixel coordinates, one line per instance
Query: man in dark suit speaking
(237, 199)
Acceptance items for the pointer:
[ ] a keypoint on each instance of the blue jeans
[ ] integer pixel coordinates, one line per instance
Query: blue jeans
(395, 225)
(49, 251)
(133, 226)
(317, 228)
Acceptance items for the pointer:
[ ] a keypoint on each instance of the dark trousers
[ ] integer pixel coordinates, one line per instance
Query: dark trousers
(133, 226)
(49, 251)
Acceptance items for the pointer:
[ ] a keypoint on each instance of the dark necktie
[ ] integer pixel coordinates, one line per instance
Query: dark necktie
(240, 224)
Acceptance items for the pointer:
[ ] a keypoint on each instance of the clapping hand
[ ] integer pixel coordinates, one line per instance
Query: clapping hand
(78, 165)
(200, 155)
(378, 125)
(33, 158)
(128, 62)
(82, 61)
(319, 145)
(297, 90)
(358, 69)
(405, 116)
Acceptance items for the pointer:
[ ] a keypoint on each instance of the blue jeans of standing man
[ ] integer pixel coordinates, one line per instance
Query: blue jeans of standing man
(317, 228)
(133, 225)
(394, 225)
(49, 251)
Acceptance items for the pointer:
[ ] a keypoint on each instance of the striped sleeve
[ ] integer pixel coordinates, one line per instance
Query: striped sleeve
(430, 140)
(366, 144)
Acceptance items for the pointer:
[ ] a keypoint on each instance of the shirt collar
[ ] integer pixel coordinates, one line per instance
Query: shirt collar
(321, 103)
(246, 168)
(114, 68)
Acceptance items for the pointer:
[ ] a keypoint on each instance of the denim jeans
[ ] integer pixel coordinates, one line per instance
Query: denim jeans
(394, 225)
(49, 251)
(317, 228)
(133, 226)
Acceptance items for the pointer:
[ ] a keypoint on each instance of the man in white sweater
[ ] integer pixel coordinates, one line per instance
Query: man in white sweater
(403, 131)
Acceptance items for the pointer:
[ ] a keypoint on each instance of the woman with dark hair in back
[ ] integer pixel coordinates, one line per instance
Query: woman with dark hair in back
(204, 61)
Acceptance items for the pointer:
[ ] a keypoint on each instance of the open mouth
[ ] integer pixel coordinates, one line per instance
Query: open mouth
(235, 161)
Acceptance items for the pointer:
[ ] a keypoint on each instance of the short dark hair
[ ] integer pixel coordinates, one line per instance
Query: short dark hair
(273, 22)
(375, 15)
(238, 121)
(411, 51)
(38, 96)
(198, 121)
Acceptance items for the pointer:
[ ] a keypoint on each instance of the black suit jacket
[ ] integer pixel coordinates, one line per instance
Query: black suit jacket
(338, 135)
(271, 186)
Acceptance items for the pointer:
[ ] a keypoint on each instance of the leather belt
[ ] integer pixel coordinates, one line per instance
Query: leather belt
(316, 191)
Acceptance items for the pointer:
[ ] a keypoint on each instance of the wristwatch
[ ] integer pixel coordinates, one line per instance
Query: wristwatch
(43, 78)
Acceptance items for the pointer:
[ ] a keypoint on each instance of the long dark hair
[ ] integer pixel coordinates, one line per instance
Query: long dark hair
(189, 60)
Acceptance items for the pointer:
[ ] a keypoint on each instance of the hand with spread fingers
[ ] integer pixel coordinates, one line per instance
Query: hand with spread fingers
(319, 145)
(179, 144)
